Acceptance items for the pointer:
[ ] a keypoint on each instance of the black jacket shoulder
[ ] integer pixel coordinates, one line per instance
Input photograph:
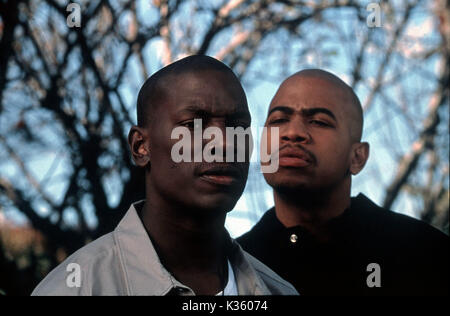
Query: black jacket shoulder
(392, 227)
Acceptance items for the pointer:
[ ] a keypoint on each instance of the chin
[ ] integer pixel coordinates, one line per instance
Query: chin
(290, 180)
(216, 204)
(292, 188)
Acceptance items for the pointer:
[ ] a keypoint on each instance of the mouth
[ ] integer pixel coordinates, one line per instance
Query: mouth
(294, 158)
(294, 162)
(224, 176)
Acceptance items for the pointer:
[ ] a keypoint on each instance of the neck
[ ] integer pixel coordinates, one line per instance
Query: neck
(189, 245)
(193, 239)
(312, 209)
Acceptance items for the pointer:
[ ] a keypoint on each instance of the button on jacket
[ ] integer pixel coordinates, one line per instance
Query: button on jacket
(124, 262)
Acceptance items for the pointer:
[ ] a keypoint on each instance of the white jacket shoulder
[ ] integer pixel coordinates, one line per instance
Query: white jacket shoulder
(276, 284)
(83, 273)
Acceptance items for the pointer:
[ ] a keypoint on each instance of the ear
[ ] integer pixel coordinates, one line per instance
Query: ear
(360, 154)
(139, 145)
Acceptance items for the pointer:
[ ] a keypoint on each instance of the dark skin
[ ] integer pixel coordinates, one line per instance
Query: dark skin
(319, 123)
(185, 209)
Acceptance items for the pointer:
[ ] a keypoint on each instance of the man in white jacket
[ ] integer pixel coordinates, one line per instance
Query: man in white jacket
(174, 242)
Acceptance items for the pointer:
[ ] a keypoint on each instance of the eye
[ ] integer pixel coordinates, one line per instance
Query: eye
(319, 123)
(189, 124)
(277, 121)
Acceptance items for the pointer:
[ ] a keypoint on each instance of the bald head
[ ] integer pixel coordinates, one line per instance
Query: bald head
(159, 84)
(355, 111)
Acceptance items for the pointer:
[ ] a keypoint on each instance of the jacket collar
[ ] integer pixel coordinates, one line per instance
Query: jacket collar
(344, 222)
(144, 273)
(248, 280)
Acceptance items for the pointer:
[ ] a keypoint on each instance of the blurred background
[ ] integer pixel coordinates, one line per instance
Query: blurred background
(70, 74)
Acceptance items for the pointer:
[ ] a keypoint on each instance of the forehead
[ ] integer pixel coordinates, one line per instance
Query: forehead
(212, 91)
(307, 92)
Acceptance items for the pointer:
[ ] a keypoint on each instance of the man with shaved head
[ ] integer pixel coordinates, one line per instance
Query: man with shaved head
(174, 242)
(316, 236)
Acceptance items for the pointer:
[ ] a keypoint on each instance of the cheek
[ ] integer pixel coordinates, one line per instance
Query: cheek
(269, 140)
(333, 156)
(163, 168)
(173, 180)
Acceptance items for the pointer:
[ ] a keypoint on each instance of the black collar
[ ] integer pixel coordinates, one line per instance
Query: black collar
(347, 221)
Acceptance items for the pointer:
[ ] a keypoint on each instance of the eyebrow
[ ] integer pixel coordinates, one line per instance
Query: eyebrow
(306, 112)
(313, 111)
(281, 108)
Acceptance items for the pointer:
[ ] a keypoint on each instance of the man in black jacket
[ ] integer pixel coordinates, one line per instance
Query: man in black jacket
(319, 238)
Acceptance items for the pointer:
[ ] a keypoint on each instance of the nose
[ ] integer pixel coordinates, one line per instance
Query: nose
(227, 145)
(295, 131)
(235, 147)
(215, 138)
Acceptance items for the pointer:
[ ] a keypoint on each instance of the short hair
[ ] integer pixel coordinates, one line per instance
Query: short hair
(154, 87)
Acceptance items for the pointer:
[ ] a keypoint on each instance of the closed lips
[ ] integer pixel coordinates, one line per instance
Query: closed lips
(294, 158)
(221, 176)
(221, 171)
(295, 153)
